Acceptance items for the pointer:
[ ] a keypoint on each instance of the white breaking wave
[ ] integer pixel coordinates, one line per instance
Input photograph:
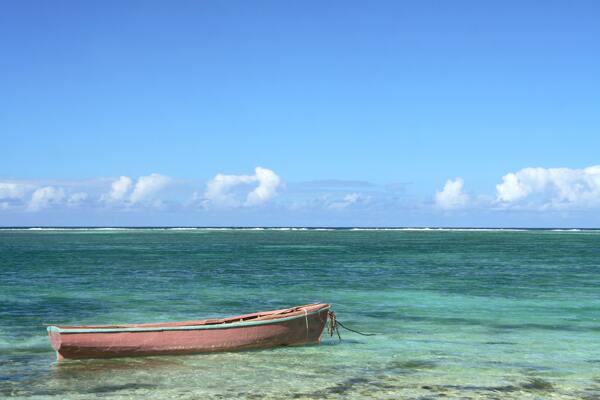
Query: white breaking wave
(445, 229)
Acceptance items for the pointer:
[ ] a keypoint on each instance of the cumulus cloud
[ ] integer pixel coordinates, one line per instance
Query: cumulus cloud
(12, 190)
(559, 187)
(268, 182)
(124, 190)
(452, 195)
(350, 200)
(77, 198)
(119, 189)
(220, 189)
(147, 186)
(46, 196)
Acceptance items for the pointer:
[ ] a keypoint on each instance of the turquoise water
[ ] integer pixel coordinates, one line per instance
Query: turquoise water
(458, 314)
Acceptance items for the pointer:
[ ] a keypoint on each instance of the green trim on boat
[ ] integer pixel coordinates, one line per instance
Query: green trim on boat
(53, 328)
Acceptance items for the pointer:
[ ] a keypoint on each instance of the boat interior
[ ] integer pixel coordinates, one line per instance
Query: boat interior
(264, 315)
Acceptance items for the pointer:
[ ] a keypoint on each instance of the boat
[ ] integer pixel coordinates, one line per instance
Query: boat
(286, 327)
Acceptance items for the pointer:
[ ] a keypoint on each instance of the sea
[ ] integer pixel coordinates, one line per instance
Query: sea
(455, 313)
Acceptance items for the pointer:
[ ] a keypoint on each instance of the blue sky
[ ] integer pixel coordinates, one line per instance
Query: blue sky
(422, 113)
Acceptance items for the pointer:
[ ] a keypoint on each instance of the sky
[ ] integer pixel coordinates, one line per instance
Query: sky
(270, 113)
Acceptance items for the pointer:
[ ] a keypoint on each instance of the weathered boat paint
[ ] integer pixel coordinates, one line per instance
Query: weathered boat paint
(292, 326)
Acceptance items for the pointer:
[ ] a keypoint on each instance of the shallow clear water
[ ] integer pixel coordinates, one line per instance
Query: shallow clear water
(458, 314)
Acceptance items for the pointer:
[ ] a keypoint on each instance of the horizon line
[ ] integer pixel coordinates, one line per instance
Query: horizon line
(307, 227)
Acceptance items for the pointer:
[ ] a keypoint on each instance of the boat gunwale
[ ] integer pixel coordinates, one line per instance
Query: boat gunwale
(224, 325)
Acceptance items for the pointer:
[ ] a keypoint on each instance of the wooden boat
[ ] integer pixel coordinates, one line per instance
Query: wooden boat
(290, 326)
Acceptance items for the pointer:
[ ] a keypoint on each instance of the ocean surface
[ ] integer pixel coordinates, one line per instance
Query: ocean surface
(470, 314)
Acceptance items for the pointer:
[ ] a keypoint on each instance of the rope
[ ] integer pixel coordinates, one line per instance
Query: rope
(352, 330)
(333, 327)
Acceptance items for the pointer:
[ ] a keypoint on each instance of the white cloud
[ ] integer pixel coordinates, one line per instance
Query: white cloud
(12, 190)
(268, 182)
(119, 189)
(124, 190)
(147, 186)
(452, 196)
(558, 187)
(77, 198)
(46, 196)
(219, 190)
(349, 200)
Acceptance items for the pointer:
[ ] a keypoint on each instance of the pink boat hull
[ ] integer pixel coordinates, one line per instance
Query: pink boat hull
(299, 325)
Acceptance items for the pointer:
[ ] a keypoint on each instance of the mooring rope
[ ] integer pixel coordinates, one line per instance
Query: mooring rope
(352, 330)
(333, 326)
